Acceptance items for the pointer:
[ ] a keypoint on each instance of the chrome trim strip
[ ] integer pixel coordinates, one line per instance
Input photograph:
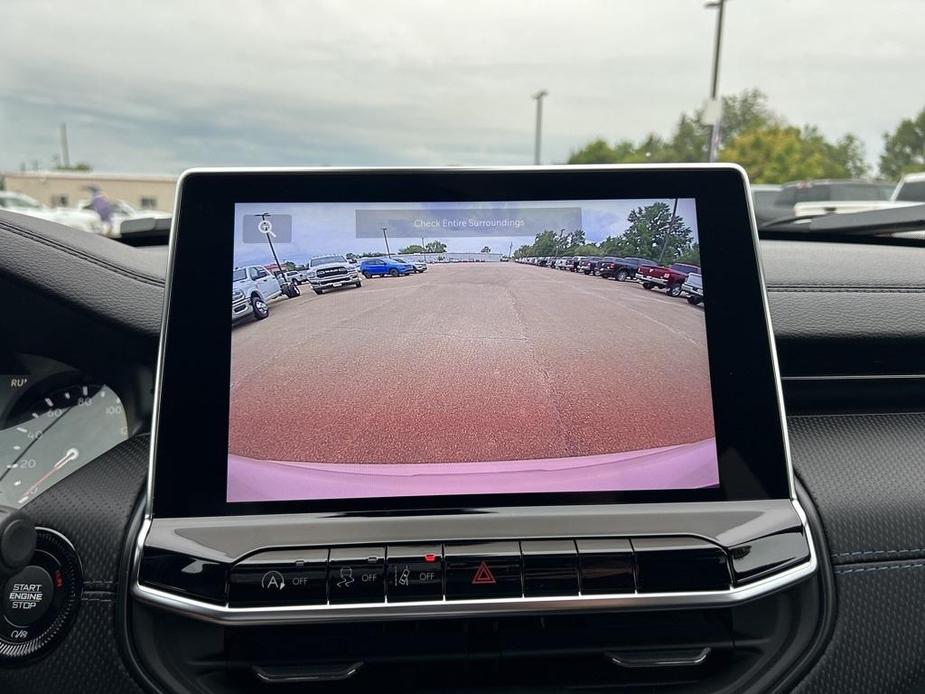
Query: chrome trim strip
(297, 614)
(857, 377)
(627, 661)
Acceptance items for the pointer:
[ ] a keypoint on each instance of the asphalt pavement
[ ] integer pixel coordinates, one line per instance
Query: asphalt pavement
(470, 362)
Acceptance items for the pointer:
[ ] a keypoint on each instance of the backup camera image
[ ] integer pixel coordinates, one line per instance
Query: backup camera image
(448, 348)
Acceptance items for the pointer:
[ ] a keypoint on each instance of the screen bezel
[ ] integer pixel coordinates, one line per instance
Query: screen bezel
(190, 428)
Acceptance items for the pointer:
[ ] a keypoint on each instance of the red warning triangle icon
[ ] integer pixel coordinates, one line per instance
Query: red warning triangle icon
(483, 575)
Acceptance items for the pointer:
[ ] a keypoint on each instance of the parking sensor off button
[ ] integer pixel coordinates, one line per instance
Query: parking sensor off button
(27, 596)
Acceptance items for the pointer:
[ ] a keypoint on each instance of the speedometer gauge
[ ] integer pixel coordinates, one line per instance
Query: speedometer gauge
(56, 435)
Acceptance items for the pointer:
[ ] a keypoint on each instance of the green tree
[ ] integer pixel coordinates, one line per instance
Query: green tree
(587, 249)
(525, 251)
(545, 243)
(413, 248)
(435, 247)
(486, 249)
(691, 255)
(79, 166)
(904, 148)
(779, 153)
(653, 233)
(690, 139)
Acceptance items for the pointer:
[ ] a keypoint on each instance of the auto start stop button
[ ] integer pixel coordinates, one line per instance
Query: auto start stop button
(27, 596)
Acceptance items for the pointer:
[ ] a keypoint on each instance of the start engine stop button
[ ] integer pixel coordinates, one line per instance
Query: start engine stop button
(27, 596)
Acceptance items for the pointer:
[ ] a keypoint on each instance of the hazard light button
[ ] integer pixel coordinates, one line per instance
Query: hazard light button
(483, 570)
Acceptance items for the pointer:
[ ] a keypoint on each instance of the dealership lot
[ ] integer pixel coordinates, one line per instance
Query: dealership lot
(470, 361)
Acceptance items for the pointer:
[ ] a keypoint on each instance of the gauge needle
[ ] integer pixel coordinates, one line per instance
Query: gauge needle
(69, 456)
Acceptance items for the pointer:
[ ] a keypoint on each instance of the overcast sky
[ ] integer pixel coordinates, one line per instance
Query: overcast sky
(322, 228)
(159, 86)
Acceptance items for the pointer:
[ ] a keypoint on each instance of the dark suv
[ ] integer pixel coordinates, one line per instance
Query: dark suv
(588, 264)
(622, 269)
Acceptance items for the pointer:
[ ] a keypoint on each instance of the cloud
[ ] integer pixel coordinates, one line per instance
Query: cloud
(161, 86)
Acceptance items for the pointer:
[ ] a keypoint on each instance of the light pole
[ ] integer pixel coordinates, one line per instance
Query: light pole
(539, 96)
(720, 6)
(386, 237)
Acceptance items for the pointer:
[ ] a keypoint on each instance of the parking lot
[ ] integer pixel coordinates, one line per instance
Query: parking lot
(470, 362)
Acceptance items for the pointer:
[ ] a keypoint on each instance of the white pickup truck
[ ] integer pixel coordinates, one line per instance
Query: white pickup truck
(331, 272)
(252, 288)
(693, 287)
(297, 276)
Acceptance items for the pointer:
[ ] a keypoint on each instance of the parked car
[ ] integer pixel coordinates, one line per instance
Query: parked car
(563, 263)
(297, 276)
(669, 278)
(573, 263)
(76, 219)
(603, 264)
(693, 287)
(763, 197)
(910, 189)
(835, 193)
(623, 269)
(252, 288)
(588, 265)
(418, 265)
(380, 267)
(331, 272)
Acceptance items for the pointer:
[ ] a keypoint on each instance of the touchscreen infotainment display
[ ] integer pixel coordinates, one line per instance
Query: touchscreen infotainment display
(467, 348)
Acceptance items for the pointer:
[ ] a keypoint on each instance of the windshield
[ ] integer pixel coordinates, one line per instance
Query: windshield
(238, 274)
(442, 83)
(912, 191)
(327, 259)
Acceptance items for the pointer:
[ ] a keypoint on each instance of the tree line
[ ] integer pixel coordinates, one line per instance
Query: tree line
(654, 232)
(767, 146)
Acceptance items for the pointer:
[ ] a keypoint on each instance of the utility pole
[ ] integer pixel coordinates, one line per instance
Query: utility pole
(386, 237)
(65, 153)
(674, 213)
(720, 6)
(539, 96)
(266, 227)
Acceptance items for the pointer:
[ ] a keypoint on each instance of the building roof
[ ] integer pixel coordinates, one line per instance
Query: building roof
(91, 175)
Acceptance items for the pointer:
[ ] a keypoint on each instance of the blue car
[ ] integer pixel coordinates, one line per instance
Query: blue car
(380, 267)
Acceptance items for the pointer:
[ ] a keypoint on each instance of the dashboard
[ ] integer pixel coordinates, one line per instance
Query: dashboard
(76, 400)
(53, 421)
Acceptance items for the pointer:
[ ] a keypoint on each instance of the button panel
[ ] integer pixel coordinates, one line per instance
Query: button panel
(414, 573)
(483, 570)
(281, 578)
(495, 570)
(550, 567)
(679, 564)
(356, 574)
(607, 567)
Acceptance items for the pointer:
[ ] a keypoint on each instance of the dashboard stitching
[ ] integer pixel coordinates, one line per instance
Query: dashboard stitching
(888, 567)
(864, 552)
(836, 289)
(852, 415)
(146, 279)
